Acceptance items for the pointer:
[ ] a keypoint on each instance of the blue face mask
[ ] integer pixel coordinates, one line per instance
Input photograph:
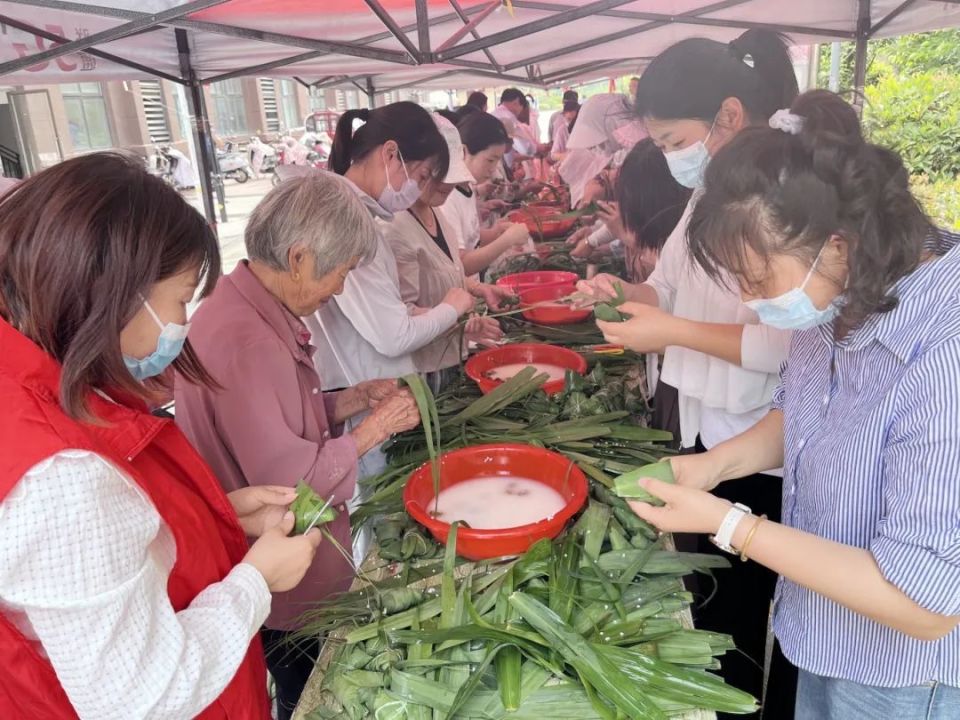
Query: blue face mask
(794, 310)
(687, 165)
(169, 344)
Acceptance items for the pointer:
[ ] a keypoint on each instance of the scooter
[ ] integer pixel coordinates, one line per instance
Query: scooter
(234, 165)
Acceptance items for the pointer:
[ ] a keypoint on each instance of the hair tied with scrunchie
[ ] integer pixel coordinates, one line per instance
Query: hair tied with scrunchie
(787, 122)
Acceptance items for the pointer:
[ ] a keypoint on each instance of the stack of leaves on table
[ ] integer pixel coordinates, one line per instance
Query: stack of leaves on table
(585, 626)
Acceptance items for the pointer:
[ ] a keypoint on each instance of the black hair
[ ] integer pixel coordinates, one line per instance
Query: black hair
(478, 131)
(477, 99)
(651, 201)
(449, 115)
(690, 80)
(571, 106)
(511, 94)
(466, 110)
(571, 96)
(406, 123)
(768, 193)
(826, 112)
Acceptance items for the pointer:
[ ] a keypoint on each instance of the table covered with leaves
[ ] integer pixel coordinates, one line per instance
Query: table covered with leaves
(594, 624)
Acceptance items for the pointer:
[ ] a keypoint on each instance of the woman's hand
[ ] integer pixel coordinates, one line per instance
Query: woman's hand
(283, 560)
(583, 249)
(610, 216)
(581, 234)
(484, 331)
(494, 205)
(649, 329)
(516, 235)
(686, 509)
(376, 391)
(260, 507)
(491, 294)
(602, 286)
(460, 300)
(701, 471)
(396, 414)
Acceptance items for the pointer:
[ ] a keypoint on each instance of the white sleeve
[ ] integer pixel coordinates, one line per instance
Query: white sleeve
(84, 565)
(371, 302)
(764, 348)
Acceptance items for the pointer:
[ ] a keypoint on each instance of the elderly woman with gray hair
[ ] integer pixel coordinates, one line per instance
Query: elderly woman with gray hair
(270, 423)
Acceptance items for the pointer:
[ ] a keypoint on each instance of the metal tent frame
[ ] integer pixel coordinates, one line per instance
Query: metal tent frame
(450, 56)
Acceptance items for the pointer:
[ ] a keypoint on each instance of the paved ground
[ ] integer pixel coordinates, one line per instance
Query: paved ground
(241, 200)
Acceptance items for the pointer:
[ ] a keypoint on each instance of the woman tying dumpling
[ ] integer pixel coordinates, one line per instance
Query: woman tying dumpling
(429, 265)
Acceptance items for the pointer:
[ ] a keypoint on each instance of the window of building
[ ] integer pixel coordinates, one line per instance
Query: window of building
(318, 99)
(229, 108)
(288, 105)
(87, 116)
(268, 96)
(155, 111)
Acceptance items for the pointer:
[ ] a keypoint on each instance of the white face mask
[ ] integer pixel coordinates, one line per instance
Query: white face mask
(794, 310)
(687, 165)
(394, 201)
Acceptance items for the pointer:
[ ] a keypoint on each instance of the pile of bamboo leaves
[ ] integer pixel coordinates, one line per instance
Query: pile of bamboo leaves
(590, 422)
(582, 627)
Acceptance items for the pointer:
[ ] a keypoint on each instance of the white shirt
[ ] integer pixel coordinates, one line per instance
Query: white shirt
(367, 332)
(717, 399)
(461, 212)
(84, 564)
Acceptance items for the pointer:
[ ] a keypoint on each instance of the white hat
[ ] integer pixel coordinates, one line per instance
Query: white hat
(457, 172)
(599, 116)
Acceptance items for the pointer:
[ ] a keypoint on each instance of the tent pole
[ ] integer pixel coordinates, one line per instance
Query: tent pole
(835, 67)
(860, 56)
(210, 177)
(371, 93)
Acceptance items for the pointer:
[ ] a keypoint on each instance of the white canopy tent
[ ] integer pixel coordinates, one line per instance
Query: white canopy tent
(383, 45)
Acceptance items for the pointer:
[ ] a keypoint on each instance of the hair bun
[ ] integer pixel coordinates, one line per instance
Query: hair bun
(364, 114)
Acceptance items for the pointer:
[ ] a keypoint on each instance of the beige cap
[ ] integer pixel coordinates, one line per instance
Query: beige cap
(457, 172)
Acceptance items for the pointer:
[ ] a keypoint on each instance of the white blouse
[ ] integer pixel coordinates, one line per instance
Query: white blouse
(84, 564)
(717, 399)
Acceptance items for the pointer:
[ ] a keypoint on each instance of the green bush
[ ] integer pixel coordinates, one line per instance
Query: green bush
(918, 115)
(941, 199)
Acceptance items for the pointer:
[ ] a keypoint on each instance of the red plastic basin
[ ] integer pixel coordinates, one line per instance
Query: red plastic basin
(551, 314)
(543, 222)
(479, 366)
(521, 282)
(535, 463)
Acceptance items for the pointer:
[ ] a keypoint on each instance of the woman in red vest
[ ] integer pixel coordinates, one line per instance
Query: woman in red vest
(127, 587)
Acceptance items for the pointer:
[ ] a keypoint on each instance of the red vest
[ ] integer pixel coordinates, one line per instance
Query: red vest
(158, 457)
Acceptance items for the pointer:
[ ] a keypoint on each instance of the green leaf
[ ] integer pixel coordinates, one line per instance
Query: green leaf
(627, 485)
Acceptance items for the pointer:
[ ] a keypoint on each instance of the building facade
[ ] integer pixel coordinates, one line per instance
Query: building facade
(40, 125)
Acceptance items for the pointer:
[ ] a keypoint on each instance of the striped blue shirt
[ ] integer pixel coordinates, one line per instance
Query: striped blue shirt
(872, 460)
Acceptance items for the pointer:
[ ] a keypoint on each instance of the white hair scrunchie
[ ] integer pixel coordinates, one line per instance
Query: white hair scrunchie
(787, 122)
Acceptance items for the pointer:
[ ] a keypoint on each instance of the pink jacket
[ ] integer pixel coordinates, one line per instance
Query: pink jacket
(270, 424)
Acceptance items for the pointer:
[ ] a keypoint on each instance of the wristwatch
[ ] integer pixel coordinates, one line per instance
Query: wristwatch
(724, 535)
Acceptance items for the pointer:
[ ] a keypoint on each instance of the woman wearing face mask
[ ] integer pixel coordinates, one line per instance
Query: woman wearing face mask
(694, 98)
(270, 421)
(367, 332)
(107, 610)
(819, 232)
(429, 265)
(484, 140)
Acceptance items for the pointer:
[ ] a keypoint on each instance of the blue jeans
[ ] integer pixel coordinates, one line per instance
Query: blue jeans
(823, 698)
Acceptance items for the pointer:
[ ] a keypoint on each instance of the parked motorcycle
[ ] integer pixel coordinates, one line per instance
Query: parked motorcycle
(234, 165)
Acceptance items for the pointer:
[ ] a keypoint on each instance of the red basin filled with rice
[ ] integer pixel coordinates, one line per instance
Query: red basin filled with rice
(491, 367)
(500, 466)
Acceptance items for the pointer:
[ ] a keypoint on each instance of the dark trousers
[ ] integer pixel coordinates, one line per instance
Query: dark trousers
(290, 663)
(740, 605)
